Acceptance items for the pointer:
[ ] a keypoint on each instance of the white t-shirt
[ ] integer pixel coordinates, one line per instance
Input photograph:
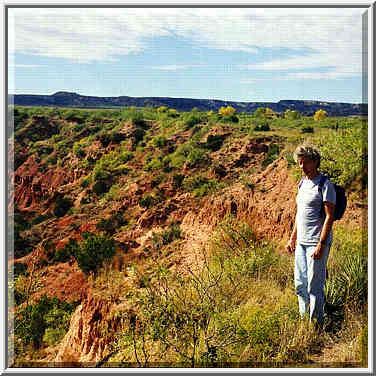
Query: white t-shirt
(309, 218)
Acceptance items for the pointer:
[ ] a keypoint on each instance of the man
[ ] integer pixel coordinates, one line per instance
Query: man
(312, 234)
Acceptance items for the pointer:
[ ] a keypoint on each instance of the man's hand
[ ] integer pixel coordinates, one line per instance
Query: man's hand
(318, 251)
(290, 247)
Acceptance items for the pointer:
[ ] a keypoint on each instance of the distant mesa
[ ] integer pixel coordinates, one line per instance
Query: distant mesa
(70, 99)
(64, 93)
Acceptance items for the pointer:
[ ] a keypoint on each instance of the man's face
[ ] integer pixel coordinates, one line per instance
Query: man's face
(307, 166)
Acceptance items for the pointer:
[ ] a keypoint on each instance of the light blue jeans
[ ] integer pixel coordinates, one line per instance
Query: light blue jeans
(310, 276)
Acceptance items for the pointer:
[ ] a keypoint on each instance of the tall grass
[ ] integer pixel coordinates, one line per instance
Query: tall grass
(240, 309)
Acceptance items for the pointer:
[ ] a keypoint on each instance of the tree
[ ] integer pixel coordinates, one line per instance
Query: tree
(320, 115)
(259, 112)
(292, 115)
(264, 113)
(94, 250)
(269, 113)
(227, 111)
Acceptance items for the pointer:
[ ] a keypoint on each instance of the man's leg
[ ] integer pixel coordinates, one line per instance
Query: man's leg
(316, 271)
(300, 279)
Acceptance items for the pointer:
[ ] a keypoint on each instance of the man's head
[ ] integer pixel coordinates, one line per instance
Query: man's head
(308, 153)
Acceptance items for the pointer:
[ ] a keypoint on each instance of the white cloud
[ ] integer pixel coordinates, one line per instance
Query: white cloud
(88, 34)
(175, 67)
(28, 66)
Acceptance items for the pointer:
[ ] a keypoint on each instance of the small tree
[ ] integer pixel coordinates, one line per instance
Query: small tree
(320, 115)
(269, 113)
(292, 115)
(227, 111)
(259, 112)
(62, 205)
(263, 112)
(162, 109)
(91, 254)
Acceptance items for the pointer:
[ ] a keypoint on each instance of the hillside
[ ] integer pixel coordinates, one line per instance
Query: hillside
(66, 99)
(105, 201)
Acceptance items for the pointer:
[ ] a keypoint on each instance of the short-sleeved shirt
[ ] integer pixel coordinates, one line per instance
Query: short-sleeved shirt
(309, 217)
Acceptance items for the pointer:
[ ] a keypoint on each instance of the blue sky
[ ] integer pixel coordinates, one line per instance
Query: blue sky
(240, 54)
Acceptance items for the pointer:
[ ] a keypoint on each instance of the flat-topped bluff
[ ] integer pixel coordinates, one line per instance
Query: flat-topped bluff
(69, 99)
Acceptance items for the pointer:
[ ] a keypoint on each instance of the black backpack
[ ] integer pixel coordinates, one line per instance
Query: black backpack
(341, 200)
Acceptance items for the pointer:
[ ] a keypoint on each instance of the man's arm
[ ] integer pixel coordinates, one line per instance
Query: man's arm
(290, 247)
(327, 227)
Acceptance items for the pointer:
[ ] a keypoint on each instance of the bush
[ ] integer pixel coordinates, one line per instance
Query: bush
(262, 127)
(105, 139)
(191, 120)
(147, 201)
(111, 224)
(227, 112)
(320, 115)
(138, 135)
(271, 155)
(18, 269)
(40, 219)
(213, 142)
(93, 251)
(307, 130)
(35, 323)
(167, 236)
(78, 151)
(159, 141)
(62, 205)
(137, 119)
(177, 180)
(101, 187)
(197, 157)
(201, 185)
(154, 165)
(344, 155)
(85, 182)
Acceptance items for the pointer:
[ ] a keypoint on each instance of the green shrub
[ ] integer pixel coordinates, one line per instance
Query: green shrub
(159, 141)
(101, 187)
(157, 180)
(105, 139)
(46, 314)
(109, 163)
(214, 142)
(111, 224)
(191, 120)
(167, 236)
(85, 182)
(62, 205)
(177, 180)
(63, 254)
(231, 119)
(93, 251)
(137, 119)
(271, 155)
(154, 165)
(197, 157)
(18, 269)
(307, 130)
(147, 201)
(78, 151)
(344, 154)
(40, 219)
(262, 127)
(201, 185)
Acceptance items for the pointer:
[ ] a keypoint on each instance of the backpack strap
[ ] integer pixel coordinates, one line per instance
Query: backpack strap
(300, 183)
(322, 181)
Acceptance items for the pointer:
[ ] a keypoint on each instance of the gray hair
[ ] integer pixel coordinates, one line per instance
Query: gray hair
(307, 152)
